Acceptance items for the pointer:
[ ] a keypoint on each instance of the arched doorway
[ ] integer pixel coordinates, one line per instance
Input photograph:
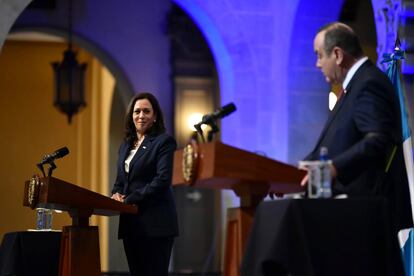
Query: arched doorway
(130, 76)
(196, 91)
(36, 127)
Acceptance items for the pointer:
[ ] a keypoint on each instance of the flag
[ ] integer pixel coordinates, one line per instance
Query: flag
(394, 73)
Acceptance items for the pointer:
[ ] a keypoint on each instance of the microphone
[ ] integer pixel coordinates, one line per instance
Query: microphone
(218, 114)
(55, 155)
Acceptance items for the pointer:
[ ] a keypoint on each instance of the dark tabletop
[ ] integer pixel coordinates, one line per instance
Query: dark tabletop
(30, 253)
(322, 237)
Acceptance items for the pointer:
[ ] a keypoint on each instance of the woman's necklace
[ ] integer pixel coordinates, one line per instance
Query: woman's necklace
(138, 141)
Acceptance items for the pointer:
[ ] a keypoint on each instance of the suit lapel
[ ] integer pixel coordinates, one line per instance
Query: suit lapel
(143, 148)
(123, 155)
(340, 104)
(331, 117)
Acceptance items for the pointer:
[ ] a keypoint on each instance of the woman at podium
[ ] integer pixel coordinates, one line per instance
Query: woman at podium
(144, 172)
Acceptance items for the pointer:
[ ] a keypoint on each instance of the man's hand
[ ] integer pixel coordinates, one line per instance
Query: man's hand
(305, 179)
(334, 173)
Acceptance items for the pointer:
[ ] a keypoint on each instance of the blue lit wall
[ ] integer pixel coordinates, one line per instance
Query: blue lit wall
(308, 91)
(250, 43)
(264, 56)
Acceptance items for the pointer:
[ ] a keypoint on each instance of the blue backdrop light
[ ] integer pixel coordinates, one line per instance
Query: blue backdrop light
(264, 56)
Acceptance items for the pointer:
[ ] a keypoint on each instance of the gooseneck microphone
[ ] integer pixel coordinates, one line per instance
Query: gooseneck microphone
(218, 114)
(55, 155)
(211, 118)
(50, 159)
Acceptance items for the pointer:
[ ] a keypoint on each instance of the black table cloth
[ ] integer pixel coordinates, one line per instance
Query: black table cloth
(322, 237)
(30, 253)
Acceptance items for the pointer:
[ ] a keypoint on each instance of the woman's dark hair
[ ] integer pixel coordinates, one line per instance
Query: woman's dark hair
(157, 127)
(341, 35)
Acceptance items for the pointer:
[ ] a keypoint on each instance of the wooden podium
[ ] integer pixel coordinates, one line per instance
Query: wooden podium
(79, 252)
(250, 176)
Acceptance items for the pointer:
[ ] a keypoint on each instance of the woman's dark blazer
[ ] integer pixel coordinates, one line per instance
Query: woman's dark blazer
(148, 185)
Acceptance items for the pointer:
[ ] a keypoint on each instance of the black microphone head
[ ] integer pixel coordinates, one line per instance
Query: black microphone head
(226, 110)
(61, 152)
(218, 114)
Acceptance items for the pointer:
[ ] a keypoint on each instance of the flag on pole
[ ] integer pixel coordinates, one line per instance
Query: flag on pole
(394, 73)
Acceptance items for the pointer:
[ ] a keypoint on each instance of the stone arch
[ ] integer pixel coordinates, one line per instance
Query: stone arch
(121, 81)
(9, 11)
(243, 37)
(214, 38)
(122, 92)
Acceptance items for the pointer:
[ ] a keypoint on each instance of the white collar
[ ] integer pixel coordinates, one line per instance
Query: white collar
(352, 72)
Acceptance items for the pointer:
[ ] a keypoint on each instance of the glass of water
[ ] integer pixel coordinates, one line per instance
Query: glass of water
(43, 219)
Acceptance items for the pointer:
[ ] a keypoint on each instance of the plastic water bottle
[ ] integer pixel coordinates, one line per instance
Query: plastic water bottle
(325, 170)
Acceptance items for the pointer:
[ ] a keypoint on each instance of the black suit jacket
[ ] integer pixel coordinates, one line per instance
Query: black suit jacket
(148, 184)
(360, 134)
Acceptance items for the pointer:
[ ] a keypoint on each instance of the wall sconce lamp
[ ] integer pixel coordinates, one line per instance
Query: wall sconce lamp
(69, 78)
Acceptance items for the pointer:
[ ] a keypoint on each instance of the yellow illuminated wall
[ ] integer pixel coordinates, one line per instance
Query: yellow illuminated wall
(31, 126)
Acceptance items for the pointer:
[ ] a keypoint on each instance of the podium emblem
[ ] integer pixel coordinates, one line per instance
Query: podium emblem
(33, 191)
(190, 161)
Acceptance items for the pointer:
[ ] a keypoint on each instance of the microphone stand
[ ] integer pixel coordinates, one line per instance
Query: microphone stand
(210, 136)
(213, 131)
(200, 131)
(51, 168)
(40, 166)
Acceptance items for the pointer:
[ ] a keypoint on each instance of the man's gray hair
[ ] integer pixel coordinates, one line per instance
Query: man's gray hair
(341, 35)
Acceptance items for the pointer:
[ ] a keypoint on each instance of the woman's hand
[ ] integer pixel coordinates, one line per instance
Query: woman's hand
(118, 197)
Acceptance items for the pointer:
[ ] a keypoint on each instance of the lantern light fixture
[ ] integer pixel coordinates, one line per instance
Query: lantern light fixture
(69, 78)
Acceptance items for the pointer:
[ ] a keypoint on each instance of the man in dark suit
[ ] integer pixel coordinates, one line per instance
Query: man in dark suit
(363, 132)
